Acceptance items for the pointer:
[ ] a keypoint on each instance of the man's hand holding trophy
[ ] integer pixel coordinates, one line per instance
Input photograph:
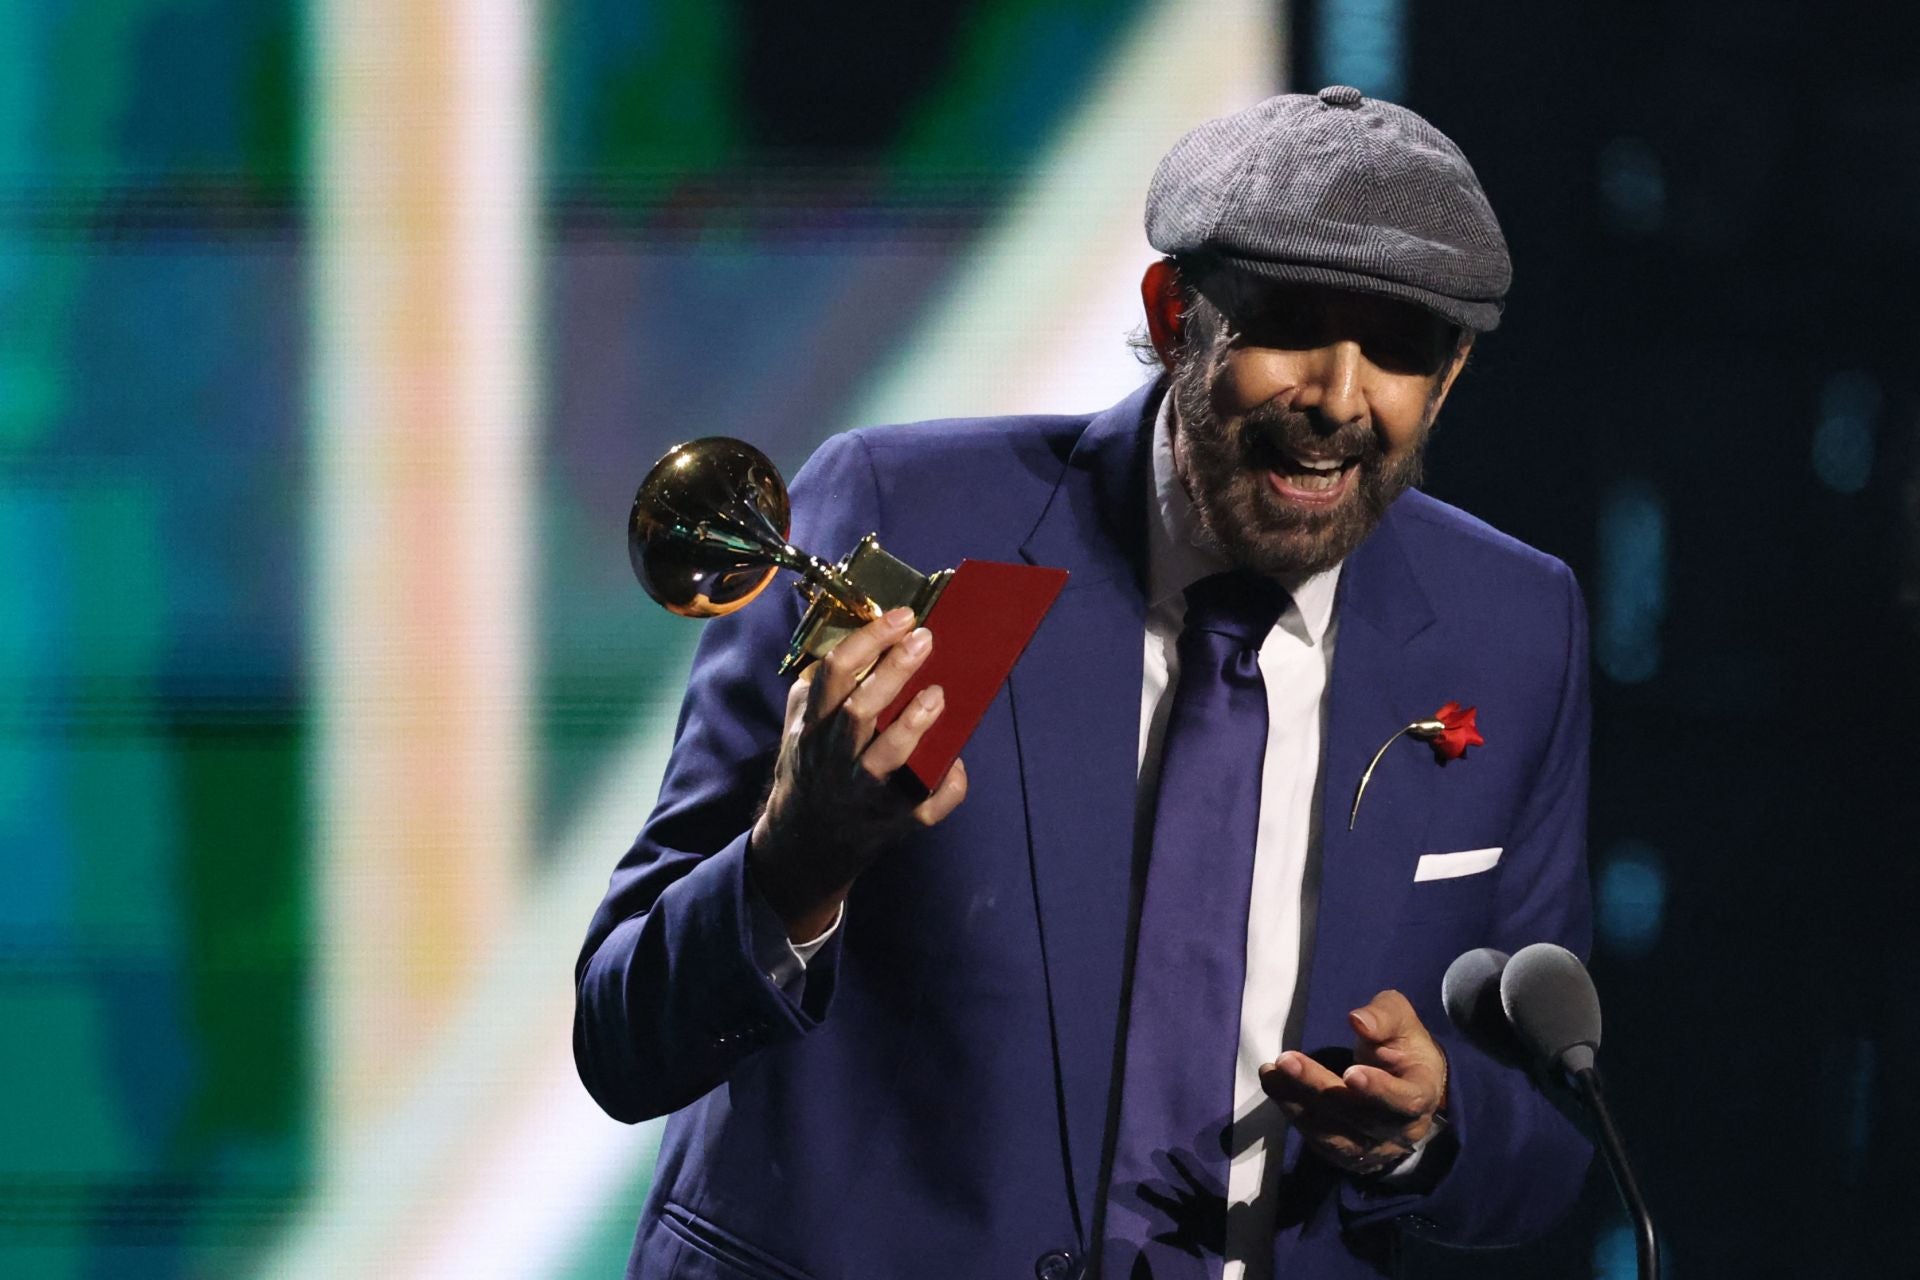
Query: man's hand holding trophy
(875, 720)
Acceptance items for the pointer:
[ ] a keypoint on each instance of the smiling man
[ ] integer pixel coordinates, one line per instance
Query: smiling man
(1303, 418)
(1147, 1004)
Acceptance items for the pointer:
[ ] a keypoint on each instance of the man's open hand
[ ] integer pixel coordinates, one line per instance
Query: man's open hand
(835, 804)
(1369, 1117)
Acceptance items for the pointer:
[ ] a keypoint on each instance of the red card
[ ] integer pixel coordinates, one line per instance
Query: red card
(980, 625)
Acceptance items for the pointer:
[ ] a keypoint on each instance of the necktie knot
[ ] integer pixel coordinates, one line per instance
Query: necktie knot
(1239, 605)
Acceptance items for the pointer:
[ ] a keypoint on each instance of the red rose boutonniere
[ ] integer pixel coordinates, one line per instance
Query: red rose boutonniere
(1449, 731)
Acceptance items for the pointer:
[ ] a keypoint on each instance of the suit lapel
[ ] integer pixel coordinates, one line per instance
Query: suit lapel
(1383, 678)
(1076, 706)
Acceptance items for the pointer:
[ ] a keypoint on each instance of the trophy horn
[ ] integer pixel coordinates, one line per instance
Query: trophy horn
(709, 531)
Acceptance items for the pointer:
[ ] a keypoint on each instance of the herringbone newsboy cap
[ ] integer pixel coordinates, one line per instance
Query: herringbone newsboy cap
(1338, 189)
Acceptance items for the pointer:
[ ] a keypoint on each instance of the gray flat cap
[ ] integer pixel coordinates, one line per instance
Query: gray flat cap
(1338, 189)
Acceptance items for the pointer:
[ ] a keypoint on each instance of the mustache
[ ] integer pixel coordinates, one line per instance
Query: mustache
(1270, 431)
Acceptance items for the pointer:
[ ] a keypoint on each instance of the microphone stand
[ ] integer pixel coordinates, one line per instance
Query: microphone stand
(1645, 1245)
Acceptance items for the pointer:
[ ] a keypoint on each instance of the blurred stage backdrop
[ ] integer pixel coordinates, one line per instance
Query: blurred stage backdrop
(334, 337)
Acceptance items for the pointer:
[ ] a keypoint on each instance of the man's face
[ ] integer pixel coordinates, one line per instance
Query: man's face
(1295, 432)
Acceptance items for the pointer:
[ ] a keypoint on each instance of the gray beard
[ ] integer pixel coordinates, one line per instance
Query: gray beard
(1223, 468)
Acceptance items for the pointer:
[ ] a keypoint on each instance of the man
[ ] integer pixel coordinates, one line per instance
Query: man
(1143, 1005)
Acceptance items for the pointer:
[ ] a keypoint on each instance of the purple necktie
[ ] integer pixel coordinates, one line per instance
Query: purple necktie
(1166, 1202)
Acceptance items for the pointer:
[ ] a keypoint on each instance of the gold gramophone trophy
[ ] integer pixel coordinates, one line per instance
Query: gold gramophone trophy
(709, 531)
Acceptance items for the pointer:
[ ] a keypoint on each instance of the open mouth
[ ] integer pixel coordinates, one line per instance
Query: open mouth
(1309, 480)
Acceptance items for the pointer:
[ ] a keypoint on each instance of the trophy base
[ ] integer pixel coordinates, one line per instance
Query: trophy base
(884, 579)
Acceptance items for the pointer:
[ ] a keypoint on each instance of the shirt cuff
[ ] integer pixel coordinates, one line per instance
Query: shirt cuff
(1403, 1176)
(805, 951)
(781, 959)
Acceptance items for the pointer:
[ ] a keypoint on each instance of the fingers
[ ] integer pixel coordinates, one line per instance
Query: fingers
(832, 710)
(1315, 1097)
(841, 670)
(1364, 1104)
(890, 750)
(1296, 1080)
(1404, 1100)
(880, 686)
(1391, 1037)
(1386, 1019)
(799, 694)
(863, 676)
(946, 797)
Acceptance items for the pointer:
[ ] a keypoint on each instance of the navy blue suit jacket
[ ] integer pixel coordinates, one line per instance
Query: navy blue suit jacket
(938, 1101)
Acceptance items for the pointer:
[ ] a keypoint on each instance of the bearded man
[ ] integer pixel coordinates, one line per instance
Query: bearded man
(1156, 1000)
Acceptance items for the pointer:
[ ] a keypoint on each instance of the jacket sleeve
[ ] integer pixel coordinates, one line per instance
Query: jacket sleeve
(1514, 1164)
(669, 997)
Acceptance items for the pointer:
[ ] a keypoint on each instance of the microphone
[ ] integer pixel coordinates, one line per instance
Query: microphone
(1550, 1001)
(1471, 994)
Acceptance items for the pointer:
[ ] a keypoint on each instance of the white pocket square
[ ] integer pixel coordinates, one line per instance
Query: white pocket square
(1445, 866)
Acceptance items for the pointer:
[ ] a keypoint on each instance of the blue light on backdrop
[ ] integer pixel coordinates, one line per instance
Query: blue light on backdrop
(1861, 1078)
(1633, 581)
(1632, 186)
(1614, 1257)
(1631, 898)
(1364, 43)
(1843, 441)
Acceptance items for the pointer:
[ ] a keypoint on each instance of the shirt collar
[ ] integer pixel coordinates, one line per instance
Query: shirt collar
(1177, 557)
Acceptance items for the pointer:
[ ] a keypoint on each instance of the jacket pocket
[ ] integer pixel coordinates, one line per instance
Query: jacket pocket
(731, 1258)
(1451, 896)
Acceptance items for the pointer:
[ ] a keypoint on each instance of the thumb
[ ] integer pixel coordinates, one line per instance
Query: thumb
(1386, 1019)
